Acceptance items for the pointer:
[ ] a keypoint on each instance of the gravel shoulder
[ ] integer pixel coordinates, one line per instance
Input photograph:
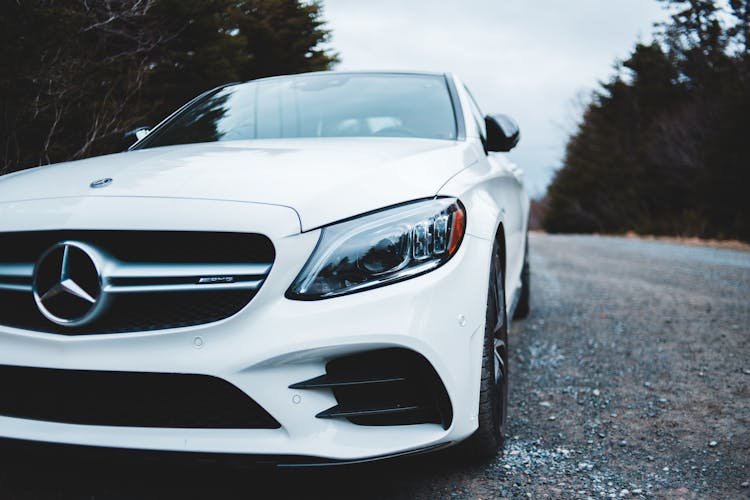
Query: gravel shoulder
(630, 378)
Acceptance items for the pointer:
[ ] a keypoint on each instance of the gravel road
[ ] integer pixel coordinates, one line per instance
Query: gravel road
(630, 378)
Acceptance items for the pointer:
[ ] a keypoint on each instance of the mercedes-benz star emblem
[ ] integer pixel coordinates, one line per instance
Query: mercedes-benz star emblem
(67, 284)
(100, 183)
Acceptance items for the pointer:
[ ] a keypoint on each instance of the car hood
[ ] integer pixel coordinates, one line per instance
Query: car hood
(324, 180)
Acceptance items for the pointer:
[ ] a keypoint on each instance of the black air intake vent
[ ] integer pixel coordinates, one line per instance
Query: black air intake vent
(384, 387)
(129, 399)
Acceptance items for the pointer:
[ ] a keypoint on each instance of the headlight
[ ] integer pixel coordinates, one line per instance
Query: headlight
(381, 248)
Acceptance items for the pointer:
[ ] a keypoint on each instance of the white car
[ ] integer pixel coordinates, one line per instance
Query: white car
(305, 269)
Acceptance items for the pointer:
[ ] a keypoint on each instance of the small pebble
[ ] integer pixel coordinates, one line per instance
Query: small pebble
(552, 417)
(623, 443)
(596, 392)
(713, 444)
(746, 484)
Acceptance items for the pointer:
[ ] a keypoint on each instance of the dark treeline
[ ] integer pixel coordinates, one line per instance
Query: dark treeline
(76, 74)
(664, 147)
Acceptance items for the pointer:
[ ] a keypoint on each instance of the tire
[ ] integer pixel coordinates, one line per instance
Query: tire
(489, 438)
(524, 300)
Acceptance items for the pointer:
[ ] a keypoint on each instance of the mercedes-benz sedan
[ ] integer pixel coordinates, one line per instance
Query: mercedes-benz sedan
(313, 268)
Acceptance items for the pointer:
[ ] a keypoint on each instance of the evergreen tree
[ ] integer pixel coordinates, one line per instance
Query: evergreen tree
(76, 74)
(662, 147)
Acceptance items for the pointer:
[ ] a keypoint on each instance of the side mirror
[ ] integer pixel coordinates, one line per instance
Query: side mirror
(503, 133)
(138, 133)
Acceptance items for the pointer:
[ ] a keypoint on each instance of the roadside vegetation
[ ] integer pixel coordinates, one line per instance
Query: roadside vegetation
(662, 148)
(75, 75)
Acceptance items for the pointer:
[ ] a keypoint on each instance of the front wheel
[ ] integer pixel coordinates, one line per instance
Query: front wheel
(493, 391)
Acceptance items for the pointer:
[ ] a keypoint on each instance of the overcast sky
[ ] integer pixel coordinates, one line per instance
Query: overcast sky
(526, 59)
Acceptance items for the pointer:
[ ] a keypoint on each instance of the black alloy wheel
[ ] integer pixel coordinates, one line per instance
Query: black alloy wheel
(493, 392)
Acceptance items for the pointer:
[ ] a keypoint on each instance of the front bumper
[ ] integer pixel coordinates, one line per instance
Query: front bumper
(271, 344)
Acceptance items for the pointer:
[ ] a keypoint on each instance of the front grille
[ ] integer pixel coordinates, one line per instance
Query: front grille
(131, 399)
(384, 387)
(156, 279)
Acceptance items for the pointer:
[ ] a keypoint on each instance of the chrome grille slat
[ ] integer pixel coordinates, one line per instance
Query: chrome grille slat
(237, 276)
(14, 287)
(227, 277)
(16, 276)
(180, 287)
(165, 270)
(16, 270)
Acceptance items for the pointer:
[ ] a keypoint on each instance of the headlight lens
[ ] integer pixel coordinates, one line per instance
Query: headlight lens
(380, 248)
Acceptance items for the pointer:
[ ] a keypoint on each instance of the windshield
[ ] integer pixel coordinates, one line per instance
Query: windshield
(316, 105)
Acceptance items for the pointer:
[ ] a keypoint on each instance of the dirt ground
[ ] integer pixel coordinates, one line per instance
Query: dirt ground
(630, 379)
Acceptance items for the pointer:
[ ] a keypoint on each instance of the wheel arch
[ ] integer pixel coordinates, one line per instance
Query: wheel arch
(500, 240)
